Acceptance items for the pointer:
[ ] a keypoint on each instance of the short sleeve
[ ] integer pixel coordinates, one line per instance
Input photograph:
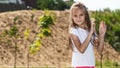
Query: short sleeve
(73, 31)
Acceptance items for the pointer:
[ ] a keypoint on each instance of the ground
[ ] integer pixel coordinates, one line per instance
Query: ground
(55, 50)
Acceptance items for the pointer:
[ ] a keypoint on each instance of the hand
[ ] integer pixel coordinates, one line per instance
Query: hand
(102, 28)
(92, 25)
(92, 20)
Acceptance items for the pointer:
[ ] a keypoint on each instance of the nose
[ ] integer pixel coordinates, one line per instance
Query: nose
(78, 18)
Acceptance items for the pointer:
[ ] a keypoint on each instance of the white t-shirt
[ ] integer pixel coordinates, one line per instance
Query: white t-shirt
(86, 58)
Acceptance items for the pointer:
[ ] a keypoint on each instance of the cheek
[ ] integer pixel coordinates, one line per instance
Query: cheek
(74, 18)
(83, 17)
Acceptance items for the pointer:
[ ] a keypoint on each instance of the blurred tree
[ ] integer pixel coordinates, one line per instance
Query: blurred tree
(69, 3)
(113, 23)
(54, 4)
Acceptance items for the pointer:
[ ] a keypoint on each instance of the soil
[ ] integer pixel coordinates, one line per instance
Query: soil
(55, 49)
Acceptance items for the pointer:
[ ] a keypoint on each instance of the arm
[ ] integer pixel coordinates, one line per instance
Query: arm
(99, 43)
(81, 46)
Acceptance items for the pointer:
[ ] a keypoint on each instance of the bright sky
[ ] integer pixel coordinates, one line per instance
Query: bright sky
(100, 4)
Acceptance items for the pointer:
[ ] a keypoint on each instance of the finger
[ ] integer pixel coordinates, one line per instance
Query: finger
(101, 24)
(93, 24)
(92, 20)
(104, 25)
(101, 21)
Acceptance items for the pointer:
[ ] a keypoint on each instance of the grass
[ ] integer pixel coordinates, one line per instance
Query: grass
(108, 67)
(65, 67)
(105, 64)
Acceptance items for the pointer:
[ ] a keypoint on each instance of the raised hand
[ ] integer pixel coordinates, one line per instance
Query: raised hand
(92, 25)
(92, 20)
(102, 28)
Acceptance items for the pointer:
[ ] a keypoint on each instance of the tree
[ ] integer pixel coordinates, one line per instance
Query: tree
(113, 23)
(53, 4)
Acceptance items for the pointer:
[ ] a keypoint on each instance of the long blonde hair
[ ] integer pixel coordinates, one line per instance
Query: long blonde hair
(73, 24)
(81, 7)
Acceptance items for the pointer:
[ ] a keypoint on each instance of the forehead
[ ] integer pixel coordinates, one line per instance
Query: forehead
(77, 10)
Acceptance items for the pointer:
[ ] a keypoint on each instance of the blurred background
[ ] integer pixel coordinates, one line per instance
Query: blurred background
(34, 33)
(6, 5)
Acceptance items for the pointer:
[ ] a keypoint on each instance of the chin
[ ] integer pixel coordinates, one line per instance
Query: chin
(79, 23)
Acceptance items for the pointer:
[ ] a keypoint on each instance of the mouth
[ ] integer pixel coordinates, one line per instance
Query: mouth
(79, 21)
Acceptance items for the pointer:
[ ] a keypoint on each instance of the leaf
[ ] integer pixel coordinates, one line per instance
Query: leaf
(26, 33)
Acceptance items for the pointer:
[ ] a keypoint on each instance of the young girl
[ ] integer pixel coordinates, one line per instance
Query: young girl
(83, 37)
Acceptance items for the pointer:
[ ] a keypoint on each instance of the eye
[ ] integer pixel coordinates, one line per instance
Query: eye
(81, 14)
(75, 15)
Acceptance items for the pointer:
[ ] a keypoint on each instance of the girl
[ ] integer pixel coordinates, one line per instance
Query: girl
(83, 37)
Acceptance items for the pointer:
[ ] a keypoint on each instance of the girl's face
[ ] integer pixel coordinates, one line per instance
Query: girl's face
(78, 16)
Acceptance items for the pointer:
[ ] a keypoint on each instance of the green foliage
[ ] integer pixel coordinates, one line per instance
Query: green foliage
(46, 32)
(26, 33)
(53, 4)
(107, 64)
(113, 23)
(97, 63)
(116, 64)
(15, 19)
(8, 42)
(45, 21)
(12, 32)
(35, 46)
